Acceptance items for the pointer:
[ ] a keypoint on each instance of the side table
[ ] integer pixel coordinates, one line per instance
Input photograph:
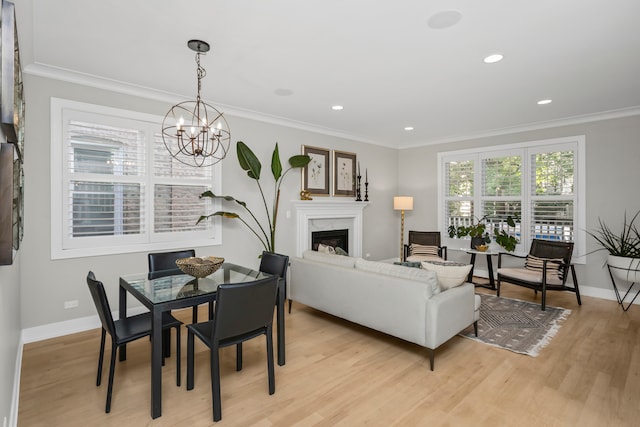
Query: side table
(489, 254)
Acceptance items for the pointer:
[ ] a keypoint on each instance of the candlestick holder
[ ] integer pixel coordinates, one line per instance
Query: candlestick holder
(366, 191)
(358, 195)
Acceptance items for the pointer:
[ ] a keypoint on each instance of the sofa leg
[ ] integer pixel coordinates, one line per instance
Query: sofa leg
(475, 328)
(432, 355)
(290, 306)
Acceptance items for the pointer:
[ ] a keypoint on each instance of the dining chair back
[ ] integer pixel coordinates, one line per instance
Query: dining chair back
(123, 331)
(277, 264)
(164, 263)
(243, 311)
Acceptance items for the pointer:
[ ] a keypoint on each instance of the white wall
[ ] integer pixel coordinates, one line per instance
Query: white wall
(46, 284)
(612, 156)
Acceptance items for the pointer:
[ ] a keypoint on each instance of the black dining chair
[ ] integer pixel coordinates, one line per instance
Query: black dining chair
(164, 264)
(123, 331)
(277, 264)
(243, 311)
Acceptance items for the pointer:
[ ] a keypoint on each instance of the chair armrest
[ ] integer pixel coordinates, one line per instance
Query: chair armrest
(508, 254)
(442, 251)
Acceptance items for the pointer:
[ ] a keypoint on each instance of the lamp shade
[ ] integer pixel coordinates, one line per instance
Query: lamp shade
(403, 203)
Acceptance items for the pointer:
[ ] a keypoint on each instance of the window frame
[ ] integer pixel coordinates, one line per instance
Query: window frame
(63, 110)
(525, 150)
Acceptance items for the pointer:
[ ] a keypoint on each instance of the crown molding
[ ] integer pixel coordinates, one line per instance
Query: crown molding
(66, 75)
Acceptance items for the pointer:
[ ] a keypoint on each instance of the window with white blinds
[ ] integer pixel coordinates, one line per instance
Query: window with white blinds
(541, 184)
(116, 189)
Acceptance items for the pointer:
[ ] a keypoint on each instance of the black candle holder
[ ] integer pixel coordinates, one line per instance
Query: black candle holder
(366, 191)
(358, 195)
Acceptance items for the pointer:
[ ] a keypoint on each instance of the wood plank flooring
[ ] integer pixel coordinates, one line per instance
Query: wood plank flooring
(342, 374)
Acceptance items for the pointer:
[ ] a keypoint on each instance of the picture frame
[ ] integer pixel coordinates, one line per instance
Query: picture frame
(316, 175)
(344, 174)
(12, 100)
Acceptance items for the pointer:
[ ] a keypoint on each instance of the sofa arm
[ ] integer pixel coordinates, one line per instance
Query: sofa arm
(448, 313)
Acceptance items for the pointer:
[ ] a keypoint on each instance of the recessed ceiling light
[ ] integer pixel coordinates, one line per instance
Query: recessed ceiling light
(337, 107)
(544, 102)
(496, 57)
(408, 128)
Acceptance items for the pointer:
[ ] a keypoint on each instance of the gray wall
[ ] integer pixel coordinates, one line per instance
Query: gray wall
(44, 295)
(612, 155)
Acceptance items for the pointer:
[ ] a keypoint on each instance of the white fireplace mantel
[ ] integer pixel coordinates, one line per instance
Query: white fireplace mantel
(329, 209)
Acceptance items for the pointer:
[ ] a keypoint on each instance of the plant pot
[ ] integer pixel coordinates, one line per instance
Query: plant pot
(623, 268)
(477, 241)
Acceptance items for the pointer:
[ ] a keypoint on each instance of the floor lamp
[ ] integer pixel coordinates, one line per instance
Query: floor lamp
(402, 203)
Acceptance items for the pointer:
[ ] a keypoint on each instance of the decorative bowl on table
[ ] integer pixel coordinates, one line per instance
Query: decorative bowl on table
(482, 248)
(199, 266)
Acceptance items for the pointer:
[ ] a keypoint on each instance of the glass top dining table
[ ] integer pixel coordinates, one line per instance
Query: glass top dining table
(168, 290)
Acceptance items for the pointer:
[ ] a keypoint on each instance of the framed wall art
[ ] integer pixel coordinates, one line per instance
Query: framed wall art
(344, 174)
(6, 203)
(12, 99)
(315, 176)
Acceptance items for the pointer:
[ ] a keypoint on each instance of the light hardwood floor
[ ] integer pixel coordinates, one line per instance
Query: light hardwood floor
(342, 374)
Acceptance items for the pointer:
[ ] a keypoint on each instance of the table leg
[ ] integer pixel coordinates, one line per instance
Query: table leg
(473, 263)
(156, 364)
(280, 321)
(122, 308)
(492, 282)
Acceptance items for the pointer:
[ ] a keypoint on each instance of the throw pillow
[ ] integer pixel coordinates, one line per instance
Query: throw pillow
(326, 249)
(340, 251)
(416, 249)
(415, 264)
(553, 264)
(450, 274)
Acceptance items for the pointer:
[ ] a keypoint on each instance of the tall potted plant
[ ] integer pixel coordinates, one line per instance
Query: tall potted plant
(250, 163)
(623, 247)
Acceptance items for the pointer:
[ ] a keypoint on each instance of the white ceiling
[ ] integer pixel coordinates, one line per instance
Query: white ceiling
(381, 60)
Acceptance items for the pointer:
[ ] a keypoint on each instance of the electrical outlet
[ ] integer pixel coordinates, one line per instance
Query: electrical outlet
(70, 304)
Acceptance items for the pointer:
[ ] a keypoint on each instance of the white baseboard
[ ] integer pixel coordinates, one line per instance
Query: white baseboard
(67, 327)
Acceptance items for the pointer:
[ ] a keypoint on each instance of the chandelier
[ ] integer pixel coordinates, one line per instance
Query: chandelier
(194, 132)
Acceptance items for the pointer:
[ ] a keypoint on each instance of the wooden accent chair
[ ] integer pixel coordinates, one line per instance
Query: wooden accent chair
(425, 238)
(546, 268)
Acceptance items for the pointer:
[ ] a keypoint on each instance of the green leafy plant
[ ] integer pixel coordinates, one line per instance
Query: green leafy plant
(625, 243)
(475, 230)
(504, 237)
(478, 230)
(250, 163)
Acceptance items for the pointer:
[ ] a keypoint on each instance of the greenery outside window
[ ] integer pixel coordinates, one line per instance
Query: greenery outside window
(540, 183)
(116, 189)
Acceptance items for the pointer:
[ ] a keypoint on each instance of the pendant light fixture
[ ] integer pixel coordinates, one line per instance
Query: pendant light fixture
(194, 132)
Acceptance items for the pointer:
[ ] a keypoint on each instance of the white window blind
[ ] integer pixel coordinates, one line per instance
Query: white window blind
(116, 189)
(540, 183)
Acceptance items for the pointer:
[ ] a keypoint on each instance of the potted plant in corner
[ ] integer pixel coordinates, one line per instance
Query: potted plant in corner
(623, 248)
(250, 163)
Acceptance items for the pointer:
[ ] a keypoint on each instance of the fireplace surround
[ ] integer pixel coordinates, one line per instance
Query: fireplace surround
(329, 214)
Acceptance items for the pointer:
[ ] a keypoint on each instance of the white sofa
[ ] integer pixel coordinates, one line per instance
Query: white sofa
(401, 301)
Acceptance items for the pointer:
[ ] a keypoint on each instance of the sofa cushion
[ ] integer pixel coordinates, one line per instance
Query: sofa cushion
(339, 260)
(450, 274)
(416, 249)
(536, 264)
(416, 274)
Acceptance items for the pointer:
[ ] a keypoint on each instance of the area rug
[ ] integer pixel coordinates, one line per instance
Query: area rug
(519, 326)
